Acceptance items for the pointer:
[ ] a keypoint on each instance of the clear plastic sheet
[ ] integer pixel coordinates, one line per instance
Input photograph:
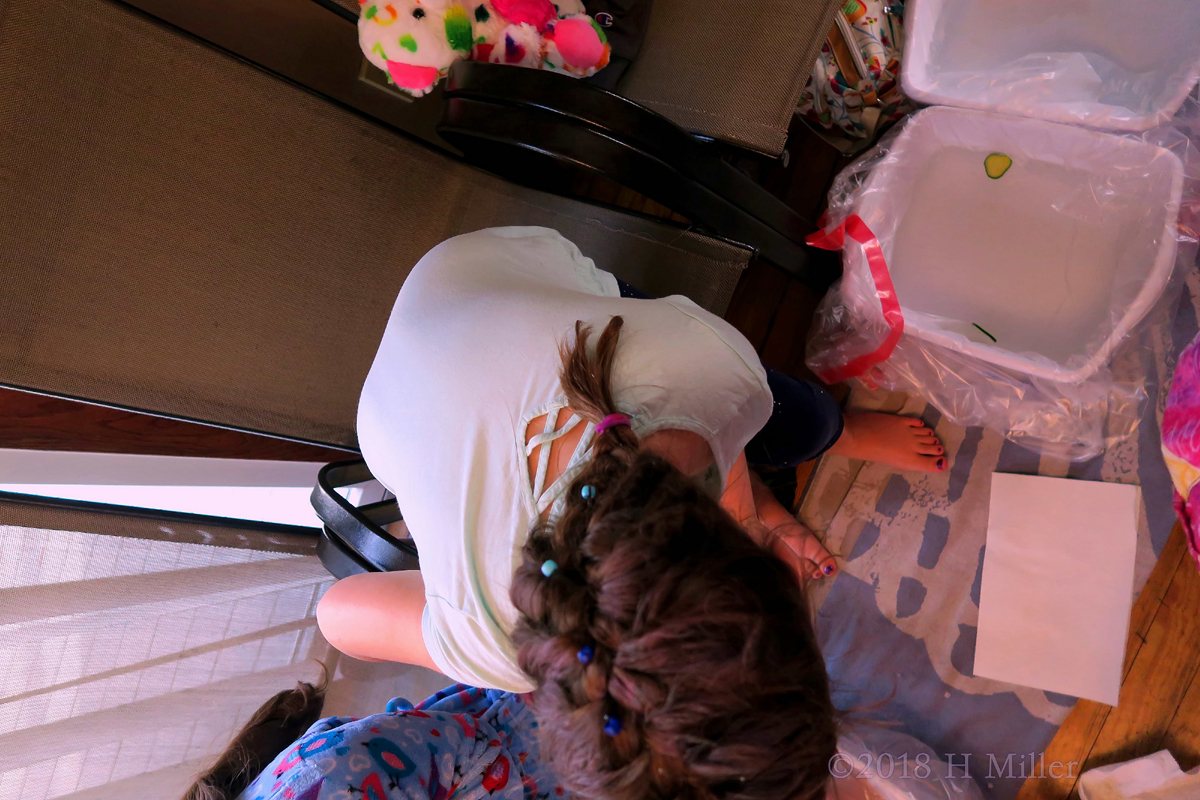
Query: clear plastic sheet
(876, 763)
(1110, 64)
(994, 264)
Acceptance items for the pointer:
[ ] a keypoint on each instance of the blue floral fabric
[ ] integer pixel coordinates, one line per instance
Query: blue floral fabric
(463, 743)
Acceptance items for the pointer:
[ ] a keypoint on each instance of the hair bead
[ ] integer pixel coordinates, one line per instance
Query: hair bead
(586, 654)
(613, 421)
(588, 492)
(549, 566)
(612, 726)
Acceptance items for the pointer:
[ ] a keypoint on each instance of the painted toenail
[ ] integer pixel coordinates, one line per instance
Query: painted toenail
(941, 464)
(829, 569)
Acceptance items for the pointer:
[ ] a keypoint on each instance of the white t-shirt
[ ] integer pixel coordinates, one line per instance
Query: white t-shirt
(469, 357)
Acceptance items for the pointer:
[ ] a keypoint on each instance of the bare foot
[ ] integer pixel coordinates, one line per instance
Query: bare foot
(902, 442)
(798, 546)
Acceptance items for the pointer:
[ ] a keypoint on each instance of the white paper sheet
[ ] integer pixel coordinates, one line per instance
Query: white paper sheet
(1057, 584)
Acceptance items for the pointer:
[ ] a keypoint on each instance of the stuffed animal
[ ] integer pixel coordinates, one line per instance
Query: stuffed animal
(416, 41)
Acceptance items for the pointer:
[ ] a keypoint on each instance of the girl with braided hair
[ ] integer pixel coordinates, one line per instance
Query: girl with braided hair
(571, 460)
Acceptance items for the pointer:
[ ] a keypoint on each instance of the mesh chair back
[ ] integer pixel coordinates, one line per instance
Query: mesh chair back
(730, 71)
(187, 235)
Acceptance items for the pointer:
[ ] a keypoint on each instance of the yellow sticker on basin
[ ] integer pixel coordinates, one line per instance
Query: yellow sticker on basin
(996, 164)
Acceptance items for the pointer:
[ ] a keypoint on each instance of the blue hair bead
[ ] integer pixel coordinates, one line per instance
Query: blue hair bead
(612, 726)
(585, 654)
(548, 567)
(397, 704)
(588, 492)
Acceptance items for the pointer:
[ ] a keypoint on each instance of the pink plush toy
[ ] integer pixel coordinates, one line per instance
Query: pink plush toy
(416, 41)
(1181, 443)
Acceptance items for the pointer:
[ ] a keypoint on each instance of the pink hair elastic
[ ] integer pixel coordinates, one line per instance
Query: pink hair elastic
(612, 421)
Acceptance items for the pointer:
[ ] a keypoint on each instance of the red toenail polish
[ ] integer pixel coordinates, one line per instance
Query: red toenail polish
(829, 569)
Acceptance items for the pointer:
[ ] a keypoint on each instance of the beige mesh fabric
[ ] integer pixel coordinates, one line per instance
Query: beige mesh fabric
(188, 235)
(130, 662)
(732, 71)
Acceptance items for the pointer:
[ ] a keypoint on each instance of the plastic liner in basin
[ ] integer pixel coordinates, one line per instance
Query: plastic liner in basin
(1021, 253)
(1114, 64)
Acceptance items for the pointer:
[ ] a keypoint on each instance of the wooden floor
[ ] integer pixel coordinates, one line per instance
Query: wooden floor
(1159, 705)
(1160, 697)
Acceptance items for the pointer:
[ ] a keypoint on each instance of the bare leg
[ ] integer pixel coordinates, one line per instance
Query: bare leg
(786, 536)
(799, 546)
(902, 442)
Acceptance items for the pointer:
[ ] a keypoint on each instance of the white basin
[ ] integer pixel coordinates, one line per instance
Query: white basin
(1114, 64)
(1057, 259)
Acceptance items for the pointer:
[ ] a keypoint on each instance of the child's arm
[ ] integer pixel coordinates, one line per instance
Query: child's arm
(377, 617)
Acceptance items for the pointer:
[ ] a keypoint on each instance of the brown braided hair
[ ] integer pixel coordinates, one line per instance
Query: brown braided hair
(703, 646)
(272, 729)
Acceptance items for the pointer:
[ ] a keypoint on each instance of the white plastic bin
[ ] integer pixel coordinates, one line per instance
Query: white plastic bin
(1114, 64)
(1057, 259)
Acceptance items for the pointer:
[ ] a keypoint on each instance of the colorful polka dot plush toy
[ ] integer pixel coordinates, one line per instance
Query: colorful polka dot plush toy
(416, 41)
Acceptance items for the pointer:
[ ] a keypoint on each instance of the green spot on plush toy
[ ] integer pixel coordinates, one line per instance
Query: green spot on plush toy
(458, 29)
(599, 31)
